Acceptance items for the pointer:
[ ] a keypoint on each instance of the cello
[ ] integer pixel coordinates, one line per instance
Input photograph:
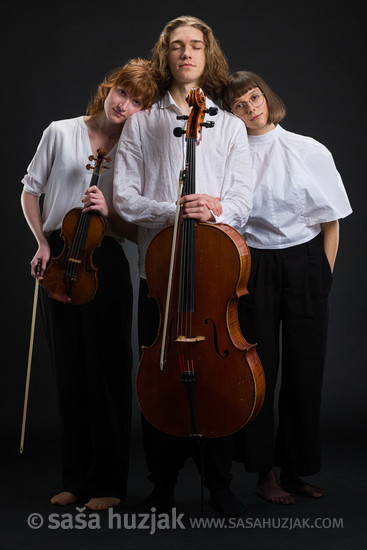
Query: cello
(71, 277)
(210, 382)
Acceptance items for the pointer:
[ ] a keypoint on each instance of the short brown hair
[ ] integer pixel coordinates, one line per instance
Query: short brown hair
(241, 82)
(215, 74)
(137, 76)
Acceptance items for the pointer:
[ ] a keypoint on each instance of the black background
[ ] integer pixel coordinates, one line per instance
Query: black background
(54, 54)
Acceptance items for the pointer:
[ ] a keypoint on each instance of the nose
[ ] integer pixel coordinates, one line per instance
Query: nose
(124, 103)
(186, 53)
(249, 107)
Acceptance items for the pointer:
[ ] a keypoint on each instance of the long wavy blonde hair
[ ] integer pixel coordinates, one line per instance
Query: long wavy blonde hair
(215, 74)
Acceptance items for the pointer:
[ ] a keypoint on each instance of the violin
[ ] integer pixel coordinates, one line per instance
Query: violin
(201, 377)
(71, 277)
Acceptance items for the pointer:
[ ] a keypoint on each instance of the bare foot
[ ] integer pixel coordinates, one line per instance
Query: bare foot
(270, 490)
(295, 484)
(64, 498)
(102, 503)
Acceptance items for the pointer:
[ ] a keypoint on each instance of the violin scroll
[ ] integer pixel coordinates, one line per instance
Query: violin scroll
(98, 160)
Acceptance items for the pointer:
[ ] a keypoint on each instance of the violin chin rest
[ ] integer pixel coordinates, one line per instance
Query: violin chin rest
(57, 291)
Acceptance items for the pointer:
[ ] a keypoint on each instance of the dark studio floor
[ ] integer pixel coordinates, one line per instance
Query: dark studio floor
(29, 480)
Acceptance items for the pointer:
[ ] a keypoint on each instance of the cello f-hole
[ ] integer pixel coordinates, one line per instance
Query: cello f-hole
(215, 339)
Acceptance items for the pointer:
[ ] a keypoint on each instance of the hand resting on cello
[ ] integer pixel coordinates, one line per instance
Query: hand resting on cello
(201, 207)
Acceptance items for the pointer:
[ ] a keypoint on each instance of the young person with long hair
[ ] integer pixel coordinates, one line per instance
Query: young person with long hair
(90, 343)
(147, 169)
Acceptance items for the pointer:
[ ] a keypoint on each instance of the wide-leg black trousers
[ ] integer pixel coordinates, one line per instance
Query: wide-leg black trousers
(92, 357)
(166, 454)
(286, 313)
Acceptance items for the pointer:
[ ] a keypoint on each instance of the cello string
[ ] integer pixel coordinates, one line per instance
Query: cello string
(182, 308)
(191, 278)
(187, 266)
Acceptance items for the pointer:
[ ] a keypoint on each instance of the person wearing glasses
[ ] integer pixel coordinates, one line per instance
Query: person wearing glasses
(293, 234)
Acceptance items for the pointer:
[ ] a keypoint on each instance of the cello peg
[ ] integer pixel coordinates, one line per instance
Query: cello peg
(212, 111)
(178, 132)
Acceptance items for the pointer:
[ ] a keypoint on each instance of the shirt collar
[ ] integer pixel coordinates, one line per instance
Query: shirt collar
(264, 138)
(167, 101)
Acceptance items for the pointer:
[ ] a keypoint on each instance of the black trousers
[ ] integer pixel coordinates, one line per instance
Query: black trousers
(286, 313)
(166, 454)
(92, 357)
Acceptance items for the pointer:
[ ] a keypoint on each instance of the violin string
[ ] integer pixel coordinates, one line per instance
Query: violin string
(75, 252)
(78, 243)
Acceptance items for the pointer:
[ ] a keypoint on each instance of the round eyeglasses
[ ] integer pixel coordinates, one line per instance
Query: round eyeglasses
(256, 100)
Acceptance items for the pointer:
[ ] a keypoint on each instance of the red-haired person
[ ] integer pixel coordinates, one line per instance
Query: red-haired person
(90, 343)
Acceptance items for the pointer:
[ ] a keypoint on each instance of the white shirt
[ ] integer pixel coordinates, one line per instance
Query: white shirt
(58, 170)
(296, 188)
(148, 163)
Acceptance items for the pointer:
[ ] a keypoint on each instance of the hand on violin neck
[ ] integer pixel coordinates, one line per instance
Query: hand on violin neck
(200, 207)
(94, 200)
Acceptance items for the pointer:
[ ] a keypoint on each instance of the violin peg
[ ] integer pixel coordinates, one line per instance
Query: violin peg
(91, 157)
(89, 166)
(106, 167)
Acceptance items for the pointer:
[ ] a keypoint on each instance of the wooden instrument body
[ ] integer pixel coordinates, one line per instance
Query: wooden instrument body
(229, 386)
(71, 277)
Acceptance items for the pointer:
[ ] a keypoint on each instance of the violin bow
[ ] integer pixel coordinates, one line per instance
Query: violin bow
(171, 266)
(30, 352)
